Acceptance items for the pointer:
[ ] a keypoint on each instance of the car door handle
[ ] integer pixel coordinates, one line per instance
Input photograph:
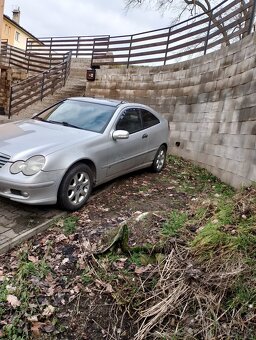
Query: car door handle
(145, 136)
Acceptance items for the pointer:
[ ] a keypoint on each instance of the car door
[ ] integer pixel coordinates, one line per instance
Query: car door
(126, 154)
(155, 133)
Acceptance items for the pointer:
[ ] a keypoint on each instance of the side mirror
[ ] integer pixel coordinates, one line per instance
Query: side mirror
(120, 134)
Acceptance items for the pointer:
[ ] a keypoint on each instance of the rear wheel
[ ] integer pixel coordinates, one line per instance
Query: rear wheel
(76, 187)
(160, 159)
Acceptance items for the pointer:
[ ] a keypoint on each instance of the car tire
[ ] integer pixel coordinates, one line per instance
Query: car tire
(159, 160)
(76, 187)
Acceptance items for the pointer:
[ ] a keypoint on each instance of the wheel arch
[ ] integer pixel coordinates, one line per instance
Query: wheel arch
(85, 161)
(165, 145)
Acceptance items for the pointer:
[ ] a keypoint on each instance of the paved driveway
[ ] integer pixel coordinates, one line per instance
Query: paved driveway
(18, 221)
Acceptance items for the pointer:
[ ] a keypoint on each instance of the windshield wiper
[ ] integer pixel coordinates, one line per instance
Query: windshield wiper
(64, 124)
(39, 118)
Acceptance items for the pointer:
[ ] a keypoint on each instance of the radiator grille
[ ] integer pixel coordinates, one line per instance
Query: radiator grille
(3, 159)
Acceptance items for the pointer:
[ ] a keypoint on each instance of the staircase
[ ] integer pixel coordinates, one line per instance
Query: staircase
(75, 87)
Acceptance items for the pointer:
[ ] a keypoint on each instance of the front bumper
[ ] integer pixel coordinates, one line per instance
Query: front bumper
(41, 188)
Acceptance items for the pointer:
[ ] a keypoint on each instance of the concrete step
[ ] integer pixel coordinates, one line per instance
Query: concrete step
(75, 86)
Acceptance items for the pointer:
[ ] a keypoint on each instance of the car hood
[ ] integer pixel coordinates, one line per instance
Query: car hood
(23, 139)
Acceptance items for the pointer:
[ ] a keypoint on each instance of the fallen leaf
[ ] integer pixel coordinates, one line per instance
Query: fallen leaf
(48, 311)
(33, 259)
(13, 300)
(141, 270)
(32, 318)
(64, 261)
(51, 291)
(49, 328)
(109, 288)
(36, 328)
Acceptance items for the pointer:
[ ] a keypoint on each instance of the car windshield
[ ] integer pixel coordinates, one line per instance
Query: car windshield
(79, 114)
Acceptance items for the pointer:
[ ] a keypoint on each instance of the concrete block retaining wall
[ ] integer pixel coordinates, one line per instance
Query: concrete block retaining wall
(209, 101)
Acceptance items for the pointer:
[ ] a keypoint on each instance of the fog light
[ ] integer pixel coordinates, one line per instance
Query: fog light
(25, 194)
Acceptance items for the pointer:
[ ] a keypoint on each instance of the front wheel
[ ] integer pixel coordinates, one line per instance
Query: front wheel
(159, 160)
(75, 187)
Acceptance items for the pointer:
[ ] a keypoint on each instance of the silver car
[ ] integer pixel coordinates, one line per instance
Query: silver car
(63, 152)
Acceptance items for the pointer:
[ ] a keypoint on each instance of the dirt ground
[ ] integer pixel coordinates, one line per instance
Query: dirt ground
(59, 285)
(97, 317)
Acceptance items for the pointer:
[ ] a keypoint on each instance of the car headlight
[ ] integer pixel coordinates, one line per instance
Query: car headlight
(30, 167)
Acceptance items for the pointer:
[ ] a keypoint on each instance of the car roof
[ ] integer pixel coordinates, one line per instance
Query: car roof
(110, 102)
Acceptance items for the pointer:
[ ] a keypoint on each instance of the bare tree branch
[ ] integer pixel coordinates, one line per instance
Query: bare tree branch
(204, 5)
(208, 12)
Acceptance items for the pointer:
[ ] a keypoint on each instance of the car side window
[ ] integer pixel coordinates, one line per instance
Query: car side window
(148, 119)
(130, 121)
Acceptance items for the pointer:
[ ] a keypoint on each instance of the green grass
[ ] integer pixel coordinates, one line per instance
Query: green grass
(24, 291)
(69, 225)
(86, 277)
(175, 222)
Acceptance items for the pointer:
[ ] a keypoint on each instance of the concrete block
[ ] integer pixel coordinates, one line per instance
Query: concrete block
(198, 136)
(214, 96)
(222, 83)
(235, 80)
(229, 104)
(191, 99)
(207, 76)
(237, 154)
(222, 163)
(185, 135)
(249, 142)
(230, 71)
(219, 150)
(252, 87)
(238, 168)
(216, 139)
(203, 97)
(236, 141)
(226, 93)
(242, 90)
(227, 61)
(199, 107)
(182, 100)
(246, 101)
(242, 66)
(248, 128)
(238, 181)
(195, 80)
(252, 173)
(209, 149)
(247, 76)
(208, 87)
(235, 128)
(189, 117)
(210, 117)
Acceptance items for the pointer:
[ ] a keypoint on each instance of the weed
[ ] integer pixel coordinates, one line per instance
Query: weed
(210, 238)
(144, 188)
(86, 278)
(69, 225)
(175, 222)
(242, 295)
(26, 269)
(225, 212)
(223, 189)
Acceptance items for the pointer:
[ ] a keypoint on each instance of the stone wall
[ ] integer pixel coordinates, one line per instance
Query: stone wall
(8, 77)
(210, 102)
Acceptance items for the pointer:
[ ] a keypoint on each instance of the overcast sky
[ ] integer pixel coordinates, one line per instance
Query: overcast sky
(84, 17)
